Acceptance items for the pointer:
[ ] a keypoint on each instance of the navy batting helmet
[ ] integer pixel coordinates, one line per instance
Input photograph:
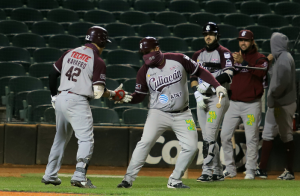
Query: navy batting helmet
(147, 44)
(210, 27)
(97, 35)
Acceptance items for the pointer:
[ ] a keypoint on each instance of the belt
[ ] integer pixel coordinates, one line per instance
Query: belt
(68, 92)
(179, 111)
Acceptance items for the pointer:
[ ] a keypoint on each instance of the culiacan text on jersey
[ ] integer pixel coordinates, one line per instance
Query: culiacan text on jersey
(157, 84)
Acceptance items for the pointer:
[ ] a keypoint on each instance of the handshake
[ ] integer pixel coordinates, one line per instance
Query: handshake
(120, 96)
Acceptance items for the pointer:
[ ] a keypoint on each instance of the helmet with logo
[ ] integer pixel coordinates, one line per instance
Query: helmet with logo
(147, 44)
(97, 35)
(210, 27)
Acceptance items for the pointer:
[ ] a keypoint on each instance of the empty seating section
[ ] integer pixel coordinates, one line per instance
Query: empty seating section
(134, 17)
(64, 42)
(63, 16)
(272, 20)
(12, 27)
(287, 8)
(47, 28)
(3, 40)
(27, 15)
(79, 29)
(172, 44)
(29, 41)
(131, 43)
(204, 17)
(99, 17)
(238, 20)
(44, 55)
(184, 6)
(122, 57)
(11, 69)
(154, 29)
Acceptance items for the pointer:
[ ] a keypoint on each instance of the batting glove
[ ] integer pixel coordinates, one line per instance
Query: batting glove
(221, 89)
(202, 88)
(200, 100)
(53, 99)
(126, 99)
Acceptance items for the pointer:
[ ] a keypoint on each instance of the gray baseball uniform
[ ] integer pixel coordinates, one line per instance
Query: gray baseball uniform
(167, 85)
(80, 68)
(211, 117)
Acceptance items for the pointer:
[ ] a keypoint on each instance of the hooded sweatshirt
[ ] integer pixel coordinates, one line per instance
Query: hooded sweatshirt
(282, 90)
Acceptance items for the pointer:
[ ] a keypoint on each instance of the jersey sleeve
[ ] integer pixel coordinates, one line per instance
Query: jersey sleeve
(58, 64)
(141, 82)
(226, 57)
(99, 72)
(189, 65)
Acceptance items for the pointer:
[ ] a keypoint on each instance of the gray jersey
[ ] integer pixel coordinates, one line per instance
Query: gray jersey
(221, 56)
(167, 84)
(80, 69)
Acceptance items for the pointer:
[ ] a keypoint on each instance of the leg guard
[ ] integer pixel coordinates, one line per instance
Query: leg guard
(85, 166)
(211, 154)
(205, 149)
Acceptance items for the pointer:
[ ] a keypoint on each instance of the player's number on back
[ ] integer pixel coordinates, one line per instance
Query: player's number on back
(71, 74)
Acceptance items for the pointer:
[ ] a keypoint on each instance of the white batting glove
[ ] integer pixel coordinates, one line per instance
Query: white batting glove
(200, 100)
(113, 92)
(53, 99)
(202, 88)
(126, 99)
(221, 89)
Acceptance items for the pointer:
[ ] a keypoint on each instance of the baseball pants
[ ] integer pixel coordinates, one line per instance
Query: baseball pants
(283, 117)
(72, 113)
(250, 113)
(156, 124)
(210, 120)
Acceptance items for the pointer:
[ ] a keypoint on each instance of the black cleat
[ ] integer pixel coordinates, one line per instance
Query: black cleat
(261, 173)
(83, 184)
(177, 186)
(55, 182)
(205, 178)
(216, 177)
(124, 184)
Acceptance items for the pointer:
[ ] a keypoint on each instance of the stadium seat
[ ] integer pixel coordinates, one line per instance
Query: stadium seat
(135, 116)
(154, 29)
(47, 55)
(116, 7)
(296, 21)
(111, 84)
(151, 7)
(187, 31)
(47, 29)
(135, 17)
(11, 69)
(273, 1)
(64, 42)
(119, 30)
(266, 46)
(40, 69)
(220, 8)
(228, 31)
(192, 101)
(238, 20)
(291, 32)
(170, 18)
(43, 6)
(49, 115)
(99, 17)
(3, 84)
(172, 44)
(15, 55)
(254, 8)
(287, 8)
(120, 72)
(3, 40)
(2, 14)
(129, 85)
(233, 45)
(185, 7)
(29, 41)
(189, 53)
(131, 43)
(273, 21)
(80, 6)
(122, 57)
(12, 27)
(36, 98)
(8, 6)
(79, 29)
(96, 103)
(198, 44)
(260, 32)
(204, 17)
(105, 116)
(64, 17)
(121, 109)
(27, 15)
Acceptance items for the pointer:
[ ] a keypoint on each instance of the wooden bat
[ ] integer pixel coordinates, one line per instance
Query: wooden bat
(234, 147)
(220, 98)
(247, 67)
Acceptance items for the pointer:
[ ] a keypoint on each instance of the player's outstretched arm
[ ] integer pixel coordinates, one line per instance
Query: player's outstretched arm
(53, 75)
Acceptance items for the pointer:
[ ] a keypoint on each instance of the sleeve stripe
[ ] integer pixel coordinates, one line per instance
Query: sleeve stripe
(98, 82)
(195, 70)
(141, 92)
(56, 68)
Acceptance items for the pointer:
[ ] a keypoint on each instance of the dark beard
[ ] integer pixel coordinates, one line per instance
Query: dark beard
(212, 46)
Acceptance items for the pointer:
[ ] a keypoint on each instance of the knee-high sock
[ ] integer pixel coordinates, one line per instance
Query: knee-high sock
(265, 154)
(290, 151)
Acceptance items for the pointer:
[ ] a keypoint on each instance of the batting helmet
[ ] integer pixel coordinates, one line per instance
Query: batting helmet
(97, 35)
(210, 27)
(147, 44)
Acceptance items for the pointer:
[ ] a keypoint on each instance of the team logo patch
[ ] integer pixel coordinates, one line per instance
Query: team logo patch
(138, 86)
(251, 119)
(192, 126)
(244, 33)
(102, 76)
(228, 63)
(163, 99)
(227, 55)
(212, 116)
(207, 28)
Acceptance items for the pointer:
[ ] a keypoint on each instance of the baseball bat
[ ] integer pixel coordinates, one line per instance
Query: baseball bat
(234, 147)
(219, 103)
(247, 67)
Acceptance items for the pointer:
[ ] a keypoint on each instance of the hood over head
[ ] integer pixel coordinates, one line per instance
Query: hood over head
(279, 44)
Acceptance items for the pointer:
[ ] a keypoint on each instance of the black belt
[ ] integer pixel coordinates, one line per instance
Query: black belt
(179, 111)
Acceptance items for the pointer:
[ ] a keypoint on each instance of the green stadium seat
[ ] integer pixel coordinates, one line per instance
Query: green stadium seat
(120, 72)
(135, 116)
(3, 84)
(119, 30)
(204, 17)
(187, 31)
(238, 20)
(198, 44)
(186, 7)
(228, 31)
(3, 40)
(2, 14)
(111, 84)
(233, 45)
(11, 69)
(12, 27)
(122, 57)
(260, 32)
(287, 8)
(172, 44)
(40, 69)
(291, 32)
(64, 17)
(79, 29)
(26, 15)
(47, 29)
(80, 6)
(154, 29)
(29, 41)
(170, 18)
(109, 47)
(105, 116)
(296, 21)
(220, 8)
(64, 42)
(192, 101)
(129, 85)
(131, 43)
(151, 7)
(99, 17)
(49, 115)
(273, 1)
(254, 8)
(8, 6)
(121, 109)
(15, 55)
(272, 20)
(96, 103)
(36, 98)
(266, 46)
(47, 55)
(116, 7)
(43, 6)
(135, 17)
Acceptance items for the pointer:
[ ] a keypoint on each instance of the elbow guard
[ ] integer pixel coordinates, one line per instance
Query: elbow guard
(98, 91)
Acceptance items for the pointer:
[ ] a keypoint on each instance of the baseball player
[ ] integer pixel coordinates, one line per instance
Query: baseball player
(245, 104)
(214, 58)
(282, 105)
(164, 75)
(82, 74)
